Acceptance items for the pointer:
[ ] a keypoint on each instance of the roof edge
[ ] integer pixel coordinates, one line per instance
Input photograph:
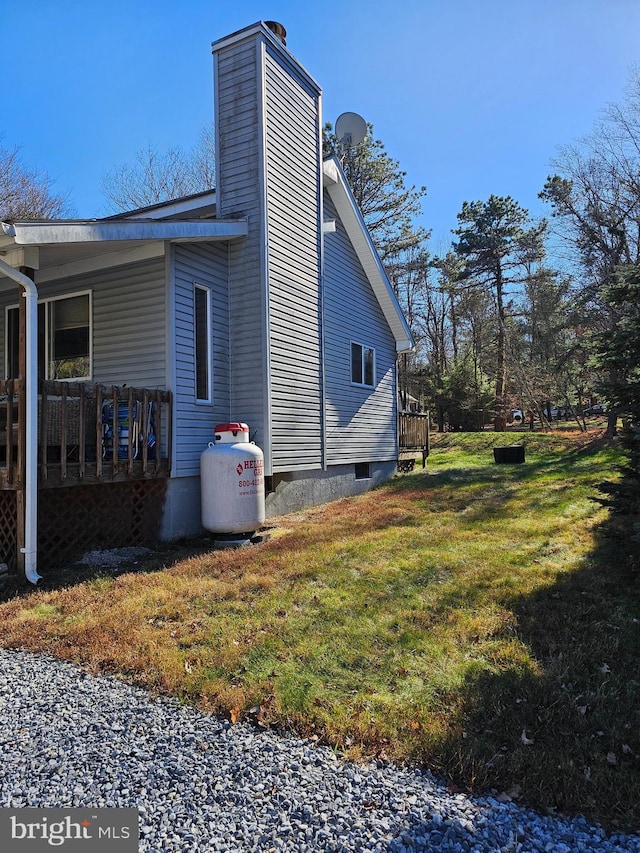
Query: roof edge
(336, 185)
(52, 232)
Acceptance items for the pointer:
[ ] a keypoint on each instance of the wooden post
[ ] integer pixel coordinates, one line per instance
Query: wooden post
(130, 432)
(42, 432)
(170, 428)
(11, 390)
(82, 431)
(99, 432)
(63, 432)
(426, 450)
(114, 427)
(145, 430)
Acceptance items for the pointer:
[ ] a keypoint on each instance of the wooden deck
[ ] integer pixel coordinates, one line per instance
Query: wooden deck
(87, 434)
(413, 435)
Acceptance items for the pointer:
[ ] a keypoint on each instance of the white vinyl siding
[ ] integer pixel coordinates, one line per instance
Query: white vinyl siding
(293, 200)
(360, 420)
(239, 193)
(129, 325)
(273, 178)
(205, 266)
(128, 307)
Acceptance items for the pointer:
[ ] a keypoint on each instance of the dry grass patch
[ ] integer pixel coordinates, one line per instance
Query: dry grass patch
(435, 619)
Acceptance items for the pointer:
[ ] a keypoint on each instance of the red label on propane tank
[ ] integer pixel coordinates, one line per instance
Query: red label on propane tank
(232, 427)
(239, 469)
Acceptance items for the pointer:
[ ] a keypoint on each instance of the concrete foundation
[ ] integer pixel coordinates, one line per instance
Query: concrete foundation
(299, 489)
(182, 514)
(290, 492)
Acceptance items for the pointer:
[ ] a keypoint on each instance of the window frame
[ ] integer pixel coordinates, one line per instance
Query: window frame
(364, 349)
(45, 302)
(208, 400)
(362, 470)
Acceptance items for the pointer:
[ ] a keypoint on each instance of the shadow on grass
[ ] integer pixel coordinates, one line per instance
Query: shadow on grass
(567, 737)
(430, 486)
(564, 732)
(163, 557)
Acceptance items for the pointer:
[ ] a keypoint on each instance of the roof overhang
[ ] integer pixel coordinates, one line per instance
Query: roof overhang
(48, 233)
(200, 205)
(345, 204)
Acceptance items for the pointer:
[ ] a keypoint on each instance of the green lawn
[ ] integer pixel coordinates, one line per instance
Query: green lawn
(480, 619)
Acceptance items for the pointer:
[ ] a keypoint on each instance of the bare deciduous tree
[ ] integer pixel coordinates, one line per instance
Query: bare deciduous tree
(595, 198)
(27, 193)
(157, 176)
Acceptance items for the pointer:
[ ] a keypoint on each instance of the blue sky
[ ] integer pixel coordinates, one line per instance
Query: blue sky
(472, 97)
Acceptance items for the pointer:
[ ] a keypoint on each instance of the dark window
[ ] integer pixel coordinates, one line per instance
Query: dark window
(356, 363)
(68, 338)
(363, 471)
(367, 358)
(64, 338)
(363, 365)
(13, 333)
(202, 326)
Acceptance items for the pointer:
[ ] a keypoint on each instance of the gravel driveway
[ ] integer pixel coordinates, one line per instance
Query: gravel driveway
(202, 784)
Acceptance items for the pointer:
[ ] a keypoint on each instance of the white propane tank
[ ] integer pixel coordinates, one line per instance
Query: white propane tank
(232, 483)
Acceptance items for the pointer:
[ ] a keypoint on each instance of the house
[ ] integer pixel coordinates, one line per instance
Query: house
(263, 301)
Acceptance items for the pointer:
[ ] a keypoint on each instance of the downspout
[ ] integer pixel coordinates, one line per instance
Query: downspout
(30, 549)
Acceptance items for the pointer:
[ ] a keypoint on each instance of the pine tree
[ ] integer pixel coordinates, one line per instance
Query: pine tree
(498, 244)
(388, 206)
(618, 356)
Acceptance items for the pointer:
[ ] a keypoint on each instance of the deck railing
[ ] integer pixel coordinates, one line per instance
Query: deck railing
(87, 433)
(413, 433)
(11, 436)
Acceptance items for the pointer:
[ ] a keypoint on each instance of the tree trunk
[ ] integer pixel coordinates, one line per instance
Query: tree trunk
(500, 422)
(612, 429)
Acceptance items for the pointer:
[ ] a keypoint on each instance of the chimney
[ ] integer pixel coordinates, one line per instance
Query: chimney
(278, 30)
(269, 170)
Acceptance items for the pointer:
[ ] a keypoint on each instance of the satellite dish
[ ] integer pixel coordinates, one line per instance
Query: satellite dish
(351, 129)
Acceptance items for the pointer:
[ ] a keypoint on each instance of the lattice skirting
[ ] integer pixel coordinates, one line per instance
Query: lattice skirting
(8, 532)
(77, 519)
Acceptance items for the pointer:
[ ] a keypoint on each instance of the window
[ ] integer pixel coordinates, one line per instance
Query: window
(363, 365)
(362, 471)
(202, 334)
(64, 338)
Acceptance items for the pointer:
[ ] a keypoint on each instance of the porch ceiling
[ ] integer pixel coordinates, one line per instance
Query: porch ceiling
(51, 257)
